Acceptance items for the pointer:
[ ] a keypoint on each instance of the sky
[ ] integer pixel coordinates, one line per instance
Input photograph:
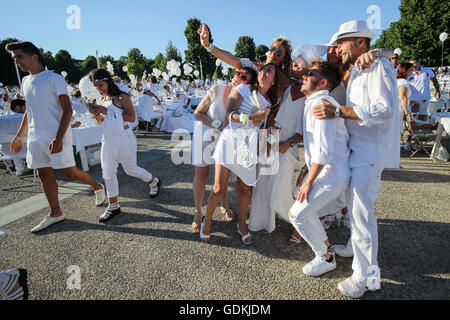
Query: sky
(114, 27)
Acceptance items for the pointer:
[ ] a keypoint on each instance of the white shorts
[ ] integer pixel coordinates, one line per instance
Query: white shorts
(39, 156)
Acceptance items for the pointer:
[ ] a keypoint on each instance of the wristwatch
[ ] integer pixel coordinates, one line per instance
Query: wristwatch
(337, 113)
(291, 142)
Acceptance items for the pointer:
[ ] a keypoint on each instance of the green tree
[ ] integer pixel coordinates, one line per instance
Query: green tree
(136, 62)
(8, 74)
(245, 48)
(64, 62)
(89, 64)
(261, 50)
(160, 62)
(195, 52)
(172, 53)
(417, 32)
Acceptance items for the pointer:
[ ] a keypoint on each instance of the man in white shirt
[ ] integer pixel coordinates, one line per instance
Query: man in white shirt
(372, 122)
(46, 123)
(420, 85)
(326, 155)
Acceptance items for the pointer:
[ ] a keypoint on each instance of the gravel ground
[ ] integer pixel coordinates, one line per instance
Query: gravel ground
(149, 252)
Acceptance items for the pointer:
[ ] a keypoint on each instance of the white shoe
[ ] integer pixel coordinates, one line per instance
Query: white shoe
(351, 288)
(47, 222)
(100, 196)
(344, 251)
(21, 172)
(155, 188)
(319, 266)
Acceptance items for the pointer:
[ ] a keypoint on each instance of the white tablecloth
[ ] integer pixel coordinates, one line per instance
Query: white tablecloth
(9, 124)
(83, 137)
(147, 115)
(444, 119)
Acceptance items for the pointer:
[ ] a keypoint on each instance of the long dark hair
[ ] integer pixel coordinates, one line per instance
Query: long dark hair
(403, 69)
(275, 93)
(104, 75)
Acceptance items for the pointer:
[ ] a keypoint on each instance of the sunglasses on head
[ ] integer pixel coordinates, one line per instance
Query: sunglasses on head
(314, 73)
(277, 51)
(242, 76)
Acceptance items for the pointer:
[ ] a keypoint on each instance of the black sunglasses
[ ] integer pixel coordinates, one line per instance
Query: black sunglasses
(277, 51)
(313, 73)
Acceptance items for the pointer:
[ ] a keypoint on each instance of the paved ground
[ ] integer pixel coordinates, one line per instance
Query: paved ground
(149, 252)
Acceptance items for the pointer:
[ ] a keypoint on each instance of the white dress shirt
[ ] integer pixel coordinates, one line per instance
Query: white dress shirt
(325, 141)
(373, 94)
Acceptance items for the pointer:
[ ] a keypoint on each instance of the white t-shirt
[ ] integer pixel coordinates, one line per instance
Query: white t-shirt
(41, 92)
(420, 84)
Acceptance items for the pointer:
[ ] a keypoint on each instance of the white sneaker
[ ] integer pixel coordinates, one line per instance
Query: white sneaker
(47, 222)
(344, 251)
(351, 288)
(155, 188)
(21, 172)
(100, 196)
(319, 266)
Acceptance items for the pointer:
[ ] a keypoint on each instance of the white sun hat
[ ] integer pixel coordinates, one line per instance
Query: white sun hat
(355, 28)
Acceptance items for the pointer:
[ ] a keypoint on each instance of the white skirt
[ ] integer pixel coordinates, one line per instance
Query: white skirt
(226, 153)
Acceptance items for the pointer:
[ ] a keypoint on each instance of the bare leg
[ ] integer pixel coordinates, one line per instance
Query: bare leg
(220, 181)
(77, 174)
(201, 175)
(243, 191)
(50, 188)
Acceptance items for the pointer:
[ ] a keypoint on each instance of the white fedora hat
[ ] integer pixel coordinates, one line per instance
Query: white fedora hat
(354, 28)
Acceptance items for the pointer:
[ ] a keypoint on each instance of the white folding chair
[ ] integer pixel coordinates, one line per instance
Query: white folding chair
(6, 155)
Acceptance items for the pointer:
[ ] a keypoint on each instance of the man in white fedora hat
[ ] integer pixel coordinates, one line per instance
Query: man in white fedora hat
(371, 117)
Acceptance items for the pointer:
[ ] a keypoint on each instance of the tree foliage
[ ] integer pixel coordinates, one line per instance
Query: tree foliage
(245, 48)
(417, 32)
(261, 50)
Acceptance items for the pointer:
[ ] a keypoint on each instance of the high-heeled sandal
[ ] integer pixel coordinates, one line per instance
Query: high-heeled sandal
(229, 215)
(244, 237)
(294, 241)
(196, 225)
(14, 276)
(205, 238)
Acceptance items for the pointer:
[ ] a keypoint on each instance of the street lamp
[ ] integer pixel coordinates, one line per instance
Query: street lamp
(443, 36)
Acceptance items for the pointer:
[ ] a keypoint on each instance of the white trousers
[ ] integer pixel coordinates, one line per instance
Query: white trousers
(364, 188)
(124, 154)
(324, 197)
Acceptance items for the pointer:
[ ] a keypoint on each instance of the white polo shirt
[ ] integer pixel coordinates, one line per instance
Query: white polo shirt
(420, 84)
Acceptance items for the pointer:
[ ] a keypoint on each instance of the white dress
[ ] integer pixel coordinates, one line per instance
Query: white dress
(235, 133)
(273, 193)
(203, 144)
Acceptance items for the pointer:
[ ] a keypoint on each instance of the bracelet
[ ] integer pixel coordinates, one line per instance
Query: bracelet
(304, 170)
(243, 117)
(209, 49)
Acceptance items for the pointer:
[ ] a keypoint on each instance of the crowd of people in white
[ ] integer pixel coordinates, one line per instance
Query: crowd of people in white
(346, 108)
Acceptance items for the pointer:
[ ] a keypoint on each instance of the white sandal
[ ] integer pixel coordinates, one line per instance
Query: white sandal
(244, 237)
(15, 275)
(205, 238)
(154, 189)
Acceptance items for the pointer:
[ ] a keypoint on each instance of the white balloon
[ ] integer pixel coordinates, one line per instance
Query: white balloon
(132, 77)
(443, 36)
(225, 71)
(196, 73)
(178, 72)
(218, 62)
(185, 66)
(88, 90)
(398, 51)
(64, 74)
(125, 68)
